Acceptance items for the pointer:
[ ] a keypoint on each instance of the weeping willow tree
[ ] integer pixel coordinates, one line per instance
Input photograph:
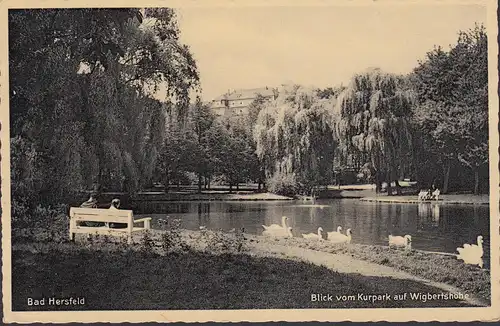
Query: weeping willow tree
(82, 105)
(294, 137)
(373, 126)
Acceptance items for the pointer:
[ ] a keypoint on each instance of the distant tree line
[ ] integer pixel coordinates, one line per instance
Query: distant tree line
(430, 125)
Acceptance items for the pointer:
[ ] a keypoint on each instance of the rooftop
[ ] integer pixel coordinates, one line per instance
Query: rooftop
(241, 94)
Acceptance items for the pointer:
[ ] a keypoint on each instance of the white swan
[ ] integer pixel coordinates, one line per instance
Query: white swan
(276, 226)
(472, 254)
(341, 238)
(334, 234)
(314, 235)
(400, 241)
(284, 233)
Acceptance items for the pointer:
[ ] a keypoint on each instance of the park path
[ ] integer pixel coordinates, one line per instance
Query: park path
(347, 265)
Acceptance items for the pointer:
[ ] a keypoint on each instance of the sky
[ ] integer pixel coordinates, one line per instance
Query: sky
(252, 47)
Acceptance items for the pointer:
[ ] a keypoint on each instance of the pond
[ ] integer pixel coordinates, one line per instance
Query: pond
(433, 227)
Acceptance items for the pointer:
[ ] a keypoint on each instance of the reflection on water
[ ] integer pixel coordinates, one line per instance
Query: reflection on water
(433, 227)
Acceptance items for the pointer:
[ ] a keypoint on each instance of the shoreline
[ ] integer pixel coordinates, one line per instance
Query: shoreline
(444, 199)
(156, 196)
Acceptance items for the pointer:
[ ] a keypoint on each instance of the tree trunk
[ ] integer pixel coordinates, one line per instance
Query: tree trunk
(230, 187)
(446, 177)
(389, 186)
(476, 181)
(378, 182)
(199, 182)
(237, 186)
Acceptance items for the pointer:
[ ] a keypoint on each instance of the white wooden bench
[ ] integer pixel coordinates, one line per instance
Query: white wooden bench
(78, 215)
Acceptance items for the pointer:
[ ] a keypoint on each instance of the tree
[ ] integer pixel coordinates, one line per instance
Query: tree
(202, 120)
(179, 155)
(374, 113)
(74, 109)
(452, 89)
(294, 136)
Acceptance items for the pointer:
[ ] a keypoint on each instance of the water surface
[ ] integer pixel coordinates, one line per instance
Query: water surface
(433, 227)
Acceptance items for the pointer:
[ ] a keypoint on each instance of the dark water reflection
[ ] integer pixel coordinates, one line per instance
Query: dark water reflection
(433, 227)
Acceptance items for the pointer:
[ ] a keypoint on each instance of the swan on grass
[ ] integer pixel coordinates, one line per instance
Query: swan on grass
(334, 234)
(472, 254)
(283, 225)
(398, 241)
(317, 236)
(275, 232)
(342, 238)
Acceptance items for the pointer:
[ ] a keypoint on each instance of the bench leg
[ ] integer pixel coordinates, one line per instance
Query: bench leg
(71, 226)
(147, 224)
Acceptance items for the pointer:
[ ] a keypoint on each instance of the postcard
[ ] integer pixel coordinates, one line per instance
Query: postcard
(171, 161)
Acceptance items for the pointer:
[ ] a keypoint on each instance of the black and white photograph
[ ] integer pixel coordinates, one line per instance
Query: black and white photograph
(324, 159)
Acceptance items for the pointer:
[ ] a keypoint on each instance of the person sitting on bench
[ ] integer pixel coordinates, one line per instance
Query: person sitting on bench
(115, 205)
(91, 203)
(435, 194)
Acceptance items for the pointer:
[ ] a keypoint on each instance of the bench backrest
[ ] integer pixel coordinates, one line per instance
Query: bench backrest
(101, 215)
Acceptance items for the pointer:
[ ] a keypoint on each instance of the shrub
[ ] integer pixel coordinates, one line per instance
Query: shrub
(218, 241)
(171, 238)
(44, 222)
(147, 244)
(285, 184)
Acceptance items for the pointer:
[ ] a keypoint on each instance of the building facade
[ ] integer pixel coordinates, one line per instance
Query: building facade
(236, 102)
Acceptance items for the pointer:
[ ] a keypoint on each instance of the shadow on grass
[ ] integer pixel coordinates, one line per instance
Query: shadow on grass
(130, 280)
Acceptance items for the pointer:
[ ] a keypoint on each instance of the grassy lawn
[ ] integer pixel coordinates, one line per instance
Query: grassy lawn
(438, 268)
(195, 280)
(203, 275)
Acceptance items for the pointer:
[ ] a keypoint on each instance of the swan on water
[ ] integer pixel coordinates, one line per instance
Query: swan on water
(281, 232)
(334, 234)
(399, 241)
(472, 254)
(341, 238)
(283, 225)
(314, 235)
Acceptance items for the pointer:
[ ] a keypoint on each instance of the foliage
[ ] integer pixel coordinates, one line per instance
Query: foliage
(452, 111)
(81, 101)
(285, 184)
(220, 242)
(374, 123)
(147, 244)
(294, 134)
(171, 237)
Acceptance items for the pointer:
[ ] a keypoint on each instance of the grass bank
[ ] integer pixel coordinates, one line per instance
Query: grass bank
(178, 269)
(434, 267)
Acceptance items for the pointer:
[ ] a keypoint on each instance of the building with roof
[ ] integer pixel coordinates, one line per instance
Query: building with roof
(236, 102)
